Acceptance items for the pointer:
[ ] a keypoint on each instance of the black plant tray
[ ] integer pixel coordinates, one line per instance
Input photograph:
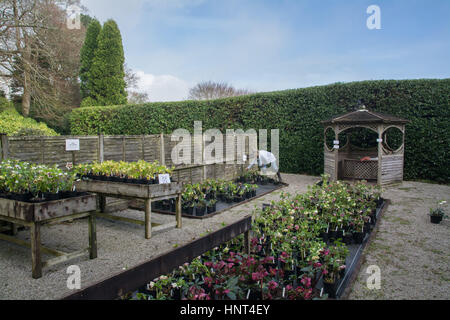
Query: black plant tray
(53, 197)
(222, 206)
(123, 180)
(353, 261)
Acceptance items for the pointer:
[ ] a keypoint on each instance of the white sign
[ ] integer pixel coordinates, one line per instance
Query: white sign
(164, 179)
(72, 144)
(336, 147)
(336, 142)
(379, 140)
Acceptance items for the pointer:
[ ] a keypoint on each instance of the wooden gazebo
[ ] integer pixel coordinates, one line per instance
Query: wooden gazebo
(380, 164)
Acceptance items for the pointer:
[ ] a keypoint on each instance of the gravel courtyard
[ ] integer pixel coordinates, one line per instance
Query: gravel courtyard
(413, 254)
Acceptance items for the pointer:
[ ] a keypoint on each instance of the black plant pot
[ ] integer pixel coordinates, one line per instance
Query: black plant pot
(358, 237)
(342, 273)
(200, 211)
(211, 209)
(51, 196)
(158, 205)
(22, 197)
(176, 294)
(379, 203)
(143, 181)
(335, 235)
(67, 194)
(330, 289)
(348, 238)
(254, 295)
(324, 236)
(367, 227)
(435, 219)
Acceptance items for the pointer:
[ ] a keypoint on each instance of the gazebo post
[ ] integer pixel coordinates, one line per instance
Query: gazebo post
(380, 153)
(336, 157)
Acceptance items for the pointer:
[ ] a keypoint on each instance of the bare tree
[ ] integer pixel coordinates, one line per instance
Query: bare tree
(38, 53)
(209, 90)
(132, 80)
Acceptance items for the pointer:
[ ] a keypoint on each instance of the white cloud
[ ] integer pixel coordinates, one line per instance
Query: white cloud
(162, 87)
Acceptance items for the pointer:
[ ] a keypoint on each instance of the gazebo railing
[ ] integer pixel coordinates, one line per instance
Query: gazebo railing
(357, 169)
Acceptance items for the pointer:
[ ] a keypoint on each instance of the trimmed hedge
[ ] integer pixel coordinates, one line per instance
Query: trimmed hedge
(13, 124)
(298, 113)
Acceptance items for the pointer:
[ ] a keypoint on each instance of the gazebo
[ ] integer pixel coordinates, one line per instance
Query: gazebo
(380, 163)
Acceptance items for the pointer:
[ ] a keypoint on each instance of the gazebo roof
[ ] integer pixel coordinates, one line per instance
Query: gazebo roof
(364, 116)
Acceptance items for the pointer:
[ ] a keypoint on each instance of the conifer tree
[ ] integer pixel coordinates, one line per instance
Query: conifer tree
(107, 75)
(87, 56)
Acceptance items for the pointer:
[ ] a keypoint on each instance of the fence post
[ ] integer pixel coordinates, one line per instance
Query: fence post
(143, 147)
(4, 146)
(42, 151)
(124, 156)
(163, 151)
(101, 148)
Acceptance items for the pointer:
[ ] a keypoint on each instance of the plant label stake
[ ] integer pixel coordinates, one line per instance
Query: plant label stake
(164, 179)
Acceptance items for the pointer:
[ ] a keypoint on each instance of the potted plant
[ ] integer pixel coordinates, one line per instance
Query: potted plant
(211, 206)
(200, 209)
(438, 213)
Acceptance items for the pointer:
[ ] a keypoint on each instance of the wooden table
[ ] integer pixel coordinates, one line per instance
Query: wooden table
(148, 193)
(35, 215)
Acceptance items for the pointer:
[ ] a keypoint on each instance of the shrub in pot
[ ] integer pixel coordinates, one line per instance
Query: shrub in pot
(200, 208)
(438, 213)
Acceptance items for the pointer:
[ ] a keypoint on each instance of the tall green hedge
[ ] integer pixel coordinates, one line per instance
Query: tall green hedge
(298, 113)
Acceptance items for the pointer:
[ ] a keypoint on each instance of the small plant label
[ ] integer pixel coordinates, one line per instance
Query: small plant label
(164, 179)
(72, 144)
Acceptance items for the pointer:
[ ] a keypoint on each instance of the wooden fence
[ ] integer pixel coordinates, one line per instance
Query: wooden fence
(52, 151)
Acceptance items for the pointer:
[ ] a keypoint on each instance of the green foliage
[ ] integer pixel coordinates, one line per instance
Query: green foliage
(87, 56)
(23, 177)
(298, 113)
(107, 76)
(13, 124)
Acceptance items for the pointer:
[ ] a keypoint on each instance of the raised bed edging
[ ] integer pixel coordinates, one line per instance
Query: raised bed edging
(354, 274)
(129, 281)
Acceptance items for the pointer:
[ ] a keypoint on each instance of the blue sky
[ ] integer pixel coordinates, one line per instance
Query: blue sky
(267, 45)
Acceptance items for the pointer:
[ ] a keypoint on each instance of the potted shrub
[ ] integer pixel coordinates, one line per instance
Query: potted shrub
(200, 209)
(211, 206)
(438, 213)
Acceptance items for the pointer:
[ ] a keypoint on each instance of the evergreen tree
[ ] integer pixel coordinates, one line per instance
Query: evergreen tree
(87, 56)
(107, 74)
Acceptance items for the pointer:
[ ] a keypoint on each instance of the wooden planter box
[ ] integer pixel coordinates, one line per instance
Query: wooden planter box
(34, 215)
(148, 193)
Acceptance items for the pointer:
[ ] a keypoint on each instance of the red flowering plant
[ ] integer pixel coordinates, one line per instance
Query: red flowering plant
(333, 262)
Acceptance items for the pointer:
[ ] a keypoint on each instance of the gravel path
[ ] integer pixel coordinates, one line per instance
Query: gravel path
(413, 254)
(120, 246)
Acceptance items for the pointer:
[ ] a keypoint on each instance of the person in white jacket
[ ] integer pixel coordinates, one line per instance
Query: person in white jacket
(263, 159)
